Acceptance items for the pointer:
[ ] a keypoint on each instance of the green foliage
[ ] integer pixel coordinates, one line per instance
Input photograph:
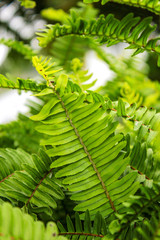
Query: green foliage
(152, 5)
(130, 29)
(14, 224)
(20, 134)
(20, 47)
(82, 125)
(21, 84)
(99, 160)
(28, 3)
(29, 184)
(90, 230)
(54, 15)
(80, 76)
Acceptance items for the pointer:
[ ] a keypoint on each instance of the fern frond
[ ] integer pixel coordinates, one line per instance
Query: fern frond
(146, 121)
(130, 30)
(20, 47)
(22, 84)
(153, 6)
(96, 229)
(142, 160)
(137, 209)
(86, 148)
(34, 185)
(44, 68)
(12, 160)
(14, 224)
(150, 228)
(80, 76)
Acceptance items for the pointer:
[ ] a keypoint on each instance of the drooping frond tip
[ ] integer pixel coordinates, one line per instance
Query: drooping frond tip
(44, 68)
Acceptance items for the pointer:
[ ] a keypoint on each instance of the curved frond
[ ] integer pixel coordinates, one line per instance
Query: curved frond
(108, 30)
(20, 47)
(83, 141)
(14, 224)
(12, 160)
(34, 185)
(96, 229)
(153, 6)
(22, 84)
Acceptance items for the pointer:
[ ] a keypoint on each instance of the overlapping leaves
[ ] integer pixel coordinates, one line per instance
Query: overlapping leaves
(87, 230)
(151, 5)
(34, 184)
(108, 30)
(14, 224)
(80, 135)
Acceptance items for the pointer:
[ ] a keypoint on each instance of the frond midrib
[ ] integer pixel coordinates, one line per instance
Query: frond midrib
(125, 40)
(88, 154)
(38, 186)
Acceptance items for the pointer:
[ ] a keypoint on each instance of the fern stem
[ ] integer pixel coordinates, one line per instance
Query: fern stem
(109, 37)
(6, 177)
(82, 234)
(139, 172)
(38, 186)
(88, 154)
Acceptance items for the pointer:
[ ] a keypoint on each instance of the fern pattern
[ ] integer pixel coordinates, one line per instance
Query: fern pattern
(125, 30)
(78, 142)
(97, 171)
(29, 184)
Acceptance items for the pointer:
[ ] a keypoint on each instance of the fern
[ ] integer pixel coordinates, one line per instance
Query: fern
(125, 30)
(63, 50)
(150, 228)
(21, 84)
(14, 224)
(73, 136)
(152, 6)
(136, 207)
(80, 76)
(100, 157)
(29, 184)
(44, 68)
(20, 47)
(96, 230)
(20, 134)
(10, 161)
